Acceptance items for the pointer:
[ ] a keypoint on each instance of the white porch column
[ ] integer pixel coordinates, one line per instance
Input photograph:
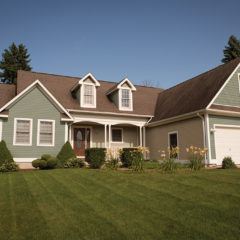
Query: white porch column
(109, 135)
(105, 135)
(144, 137)
(140, 135)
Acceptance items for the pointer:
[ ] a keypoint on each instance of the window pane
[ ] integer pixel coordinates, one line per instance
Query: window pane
(88, 94)
(23, 132)
(46, 132)
(116, 135)
(125, 98)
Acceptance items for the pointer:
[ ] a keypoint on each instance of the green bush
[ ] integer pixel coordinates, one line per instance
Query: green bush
(42, 164)
(9, 167)
(35, 163)
(168, 165)
(65, 153)
(113, 164)
(228, 163)
(51, 162)
(95, 157)
(196, 163)
(137, 160)
(126, 157)
(74, 163)
(46, 157)
(5, 154)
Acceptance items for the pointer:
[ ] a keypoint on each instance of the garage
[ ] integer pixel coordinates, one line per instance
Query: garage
(227, 143)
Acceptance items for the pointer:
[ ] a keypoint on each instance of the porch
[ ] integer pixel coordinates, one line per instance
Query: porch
(89, 134)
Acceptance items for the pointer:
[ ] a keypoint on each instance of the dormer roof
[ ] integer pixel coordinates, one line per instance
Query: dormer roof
(120, 84)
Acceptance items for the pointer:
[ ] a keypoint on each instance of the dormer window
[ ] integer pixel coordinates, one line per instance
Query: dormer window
(88, 92)
(126, 99)
(85, 91)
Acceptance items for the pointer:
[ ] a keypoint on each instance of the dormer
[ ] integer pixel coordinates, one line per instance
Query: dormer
(85, 91)
(121, 95)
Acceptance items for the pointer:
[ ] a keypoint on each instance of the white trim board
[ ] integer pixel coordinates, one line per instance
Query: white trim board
(29, 88)
(24, 160)
(223, 86)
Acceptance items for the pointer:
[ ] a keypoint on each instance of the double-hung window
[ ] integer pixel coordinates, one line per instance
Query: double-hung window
(88, 95)
(126, 99)
(22, 132)
(46, 132)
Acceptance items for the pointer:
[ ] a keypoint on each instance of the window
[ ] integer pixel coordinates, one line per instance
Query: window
(88, 95)
(46, 130)
(117, 135)
(173, 141)
(126, 99)
(22, 131)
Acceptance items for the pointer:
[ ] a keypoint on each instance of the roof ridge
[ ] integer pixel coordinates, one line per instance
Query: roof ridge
(81, 78)
(190, 79)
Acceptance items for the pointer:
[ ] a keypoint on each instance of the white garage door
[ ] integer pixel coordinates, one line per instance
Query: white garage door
(227, 143)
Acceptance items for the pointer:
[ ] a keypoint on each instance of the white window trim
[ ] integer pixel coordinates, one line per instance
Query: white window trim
(38, 133)
(174, 132)
(130, 108)
(14, 132)
(82, 96)
(115, 128)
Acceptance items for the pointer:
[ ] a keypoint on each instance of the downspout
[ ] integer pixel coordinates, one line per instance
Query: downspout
(204, 136)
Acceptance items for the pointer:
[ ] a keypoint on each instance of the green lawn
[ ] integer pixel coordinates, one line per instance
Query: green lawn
(101, 204)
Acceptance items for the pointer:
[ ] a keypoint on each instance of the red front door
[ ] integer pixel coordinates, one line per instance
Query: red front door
(81, 140)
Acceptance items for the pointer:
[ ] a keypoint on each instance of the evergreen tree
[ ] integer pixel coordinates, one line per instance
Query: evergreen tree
(5, 154)
(65, 153)
(231, 51)
(13, 59)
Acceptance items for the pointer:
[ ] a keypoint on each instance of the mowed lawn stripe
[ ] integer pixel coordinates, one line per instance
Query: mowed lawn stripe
(147, 205)
(76, 217)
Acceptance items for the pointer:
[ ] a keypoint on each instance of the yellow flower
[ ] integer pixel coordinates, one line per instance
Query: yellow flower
(195, 152)
(187, 149)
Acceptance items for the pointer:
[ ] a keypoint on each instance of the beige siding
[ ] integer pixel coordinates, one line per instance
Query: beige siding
(190, 132)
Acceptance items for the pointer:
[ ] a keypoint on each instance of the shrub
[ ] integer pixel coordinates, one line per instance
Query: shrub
(51, 162)
(65, 153)
(42, 164)
(46, 157)
(95, 157)
(113, 163)
(126, 157)
(137, 160)
(169, 164)
(74, 163)
(35, 163)
(228, 163)
(5, 154)
(9, 167)
(196, 156)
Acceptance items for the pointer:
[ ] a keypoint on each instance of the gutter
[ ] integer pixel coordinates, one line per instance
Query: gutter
(204, 136)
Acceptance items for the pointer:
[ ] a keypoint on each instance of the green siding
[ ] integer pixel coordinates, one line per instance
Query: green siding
(230, 94)
(114, 97)
(78, 95)
(225, 120)
(34, 105)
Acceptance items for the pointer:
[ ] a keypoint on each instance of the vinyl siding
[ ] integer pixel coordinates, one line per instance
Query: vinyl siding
(190, 132)
(34, 105)
(223, 120)
(230, 94)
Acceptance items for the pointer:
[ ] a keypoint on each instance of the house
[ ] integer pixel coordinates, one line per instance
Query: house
(43, 111)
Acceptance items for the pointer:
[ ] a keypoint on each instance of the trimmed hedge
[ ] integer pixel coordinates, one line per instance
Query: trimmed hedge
(5, 154)
(74, 163)
(228, 163)
(65, 153)
(95, 157)
(126, 156)
(9, 167)
(46, 162)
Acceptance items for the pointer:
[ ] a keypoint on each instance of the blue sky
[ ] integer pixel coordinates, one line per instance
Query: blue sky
(162, 41)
